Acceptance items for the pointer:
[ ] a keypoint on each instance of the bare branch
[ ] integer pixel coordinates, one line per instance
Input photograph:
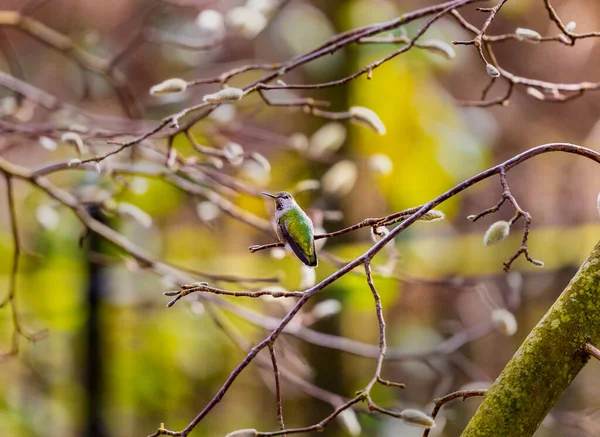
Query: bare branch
(368, 255)
(462, 394)
(592, 350)
(277, 388)
(203, 287)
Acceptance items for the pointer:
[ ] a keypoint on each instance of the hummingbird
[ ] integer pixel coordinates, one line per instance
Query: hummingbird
(294, 227)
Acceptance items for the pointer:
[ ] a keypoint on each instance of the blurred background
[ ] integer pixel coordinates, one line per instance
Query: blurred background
(116, 362)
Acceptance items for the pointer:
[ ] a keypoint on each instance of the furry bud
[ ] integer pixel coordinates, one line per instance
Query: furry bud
(74, 138)
(504, 321)
(47, 143)
(340, 179)
(215, 162)
(496, 233)
(432, 216)
(367, 117)
(307, 185)
(326, 308)
(381, 163)
(535, 93)
(440, 47)
(349, 422)
(225, 95)
(298, 141)
(169, 86)
(207, 211)
(565, 40)
(327, 140)
(8, 106)
(262, 161)
(47, 216)
(528, 35)
(75, 162)
(417, 418)
(492, 71)
(246, 21)
(132, 211)
(211, 22)
(234, 153)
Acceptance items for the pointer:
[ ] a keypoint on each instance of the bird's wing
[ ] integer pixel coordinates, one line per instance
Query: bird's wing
(297, 232)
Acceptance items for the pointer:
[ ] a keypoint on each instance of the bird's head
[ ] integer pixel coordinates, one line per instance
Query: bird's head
(283, 200)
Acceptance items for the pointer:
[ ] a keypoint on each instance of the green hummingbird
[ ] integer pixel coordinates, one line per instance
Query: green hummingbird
(294, 227)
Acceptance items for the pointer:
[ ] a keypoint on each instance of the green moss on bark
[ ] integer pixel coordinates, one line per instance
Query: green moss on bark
(546, 363)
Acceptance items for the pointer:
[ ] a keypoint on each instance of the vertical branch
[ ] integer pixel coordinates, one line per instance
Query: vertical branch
(380, 319)
(12, 284)
(277, 387)
(382, 340)
(10, 299)
(15, 236)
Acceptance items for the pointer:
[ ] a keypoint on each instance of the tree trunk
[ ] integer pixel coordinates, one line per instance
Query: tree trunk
(546, 363)
(94, 367)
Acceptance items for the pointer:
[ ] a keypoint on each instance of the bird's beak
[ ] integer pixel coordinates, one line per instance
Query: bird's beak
(270, 195)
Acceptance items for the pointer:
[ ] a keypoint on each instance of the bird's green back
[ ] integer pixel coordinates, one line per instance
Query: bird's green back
(299, 228)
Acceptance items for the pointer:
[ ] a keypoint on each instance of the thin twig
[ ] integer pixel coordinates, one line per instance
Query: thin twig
(277, 388)
(387, 220)
(203, 287)
(462, 394)
(592, 350)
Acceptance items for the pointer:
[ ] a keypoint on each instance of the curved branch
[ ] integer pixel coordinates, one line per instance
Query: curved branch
(374, 250)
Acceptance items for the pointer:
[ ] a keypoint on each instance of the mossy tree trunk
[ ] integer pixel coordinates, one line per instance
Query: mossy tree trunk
(546, 363)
